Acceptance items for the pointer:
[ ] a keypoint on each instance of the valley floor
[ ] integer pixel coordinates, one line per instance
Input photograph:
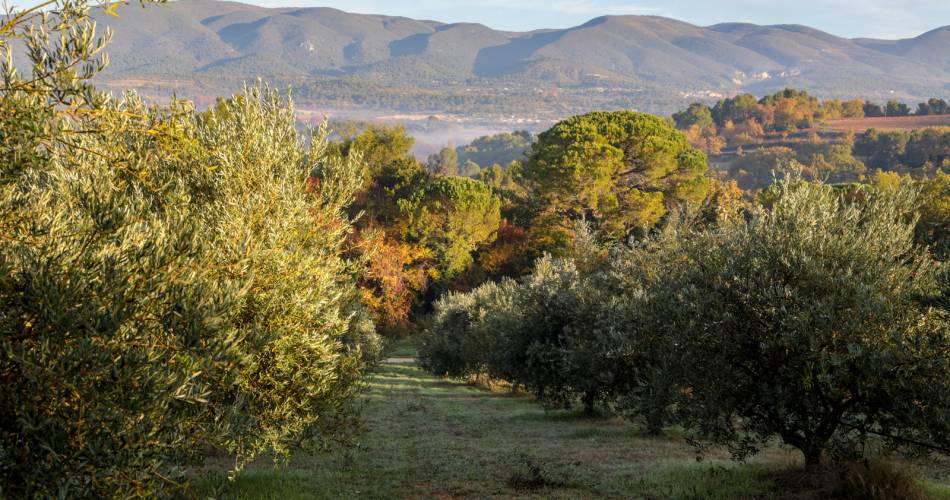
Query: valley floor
(427, 437)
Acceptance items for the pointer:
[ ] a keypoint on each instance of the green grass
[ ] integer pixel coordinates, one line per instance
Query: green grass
(432, 438)
(405, 347)
(938, 490)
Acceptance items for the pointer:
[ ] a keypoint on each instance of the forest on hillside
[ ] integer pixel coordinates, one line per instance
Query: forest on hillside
(755, 141)
(179, 284)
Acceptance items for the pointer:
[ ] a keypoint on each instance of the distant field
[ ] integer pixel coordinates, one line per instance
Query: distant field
(887, 123)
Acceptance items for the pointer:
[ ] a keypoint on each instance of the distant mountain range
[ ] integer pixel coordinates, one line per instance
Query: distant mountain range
(227, 39)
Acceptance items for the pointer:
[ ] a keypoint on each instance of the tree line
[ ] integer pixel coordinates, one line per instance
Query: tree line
(814, 316)
(527, 204)
(850, 158)
(745, 119)
(761, 151)
(807, 312)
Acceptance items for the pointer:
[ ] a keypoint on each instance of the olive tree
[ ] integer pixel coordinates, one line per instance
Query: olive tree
(465, 333)
(275, 209)
(631, 277)
(169, 281)
(113, 331)
(804, 321)
(555, 332)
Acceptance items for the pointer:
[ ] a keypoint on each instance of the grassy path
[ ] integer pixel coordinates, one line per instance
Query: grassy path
(431, 438)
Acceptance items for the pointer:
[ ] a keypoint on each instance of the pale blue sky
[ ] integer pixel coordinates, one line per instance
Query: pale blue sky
(849, 18)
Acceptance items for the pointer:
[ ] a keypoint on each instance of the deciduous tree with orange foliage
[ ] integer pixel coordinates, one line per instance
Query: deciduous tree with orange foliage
(418, 229)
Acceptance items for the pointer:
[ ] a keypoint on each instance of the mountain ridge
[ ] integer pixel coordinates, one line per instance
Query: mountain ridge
(210, 37)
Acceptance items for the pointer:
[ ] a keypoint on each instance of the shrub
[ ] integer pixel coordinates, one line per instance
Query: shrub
(878, 480)
(465, 333)
(556, 352)
(633, 274)
(553, 332)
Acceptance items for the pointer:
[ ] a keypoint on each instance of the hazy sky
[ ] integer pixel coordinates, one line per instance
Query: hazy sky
(851, 18)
